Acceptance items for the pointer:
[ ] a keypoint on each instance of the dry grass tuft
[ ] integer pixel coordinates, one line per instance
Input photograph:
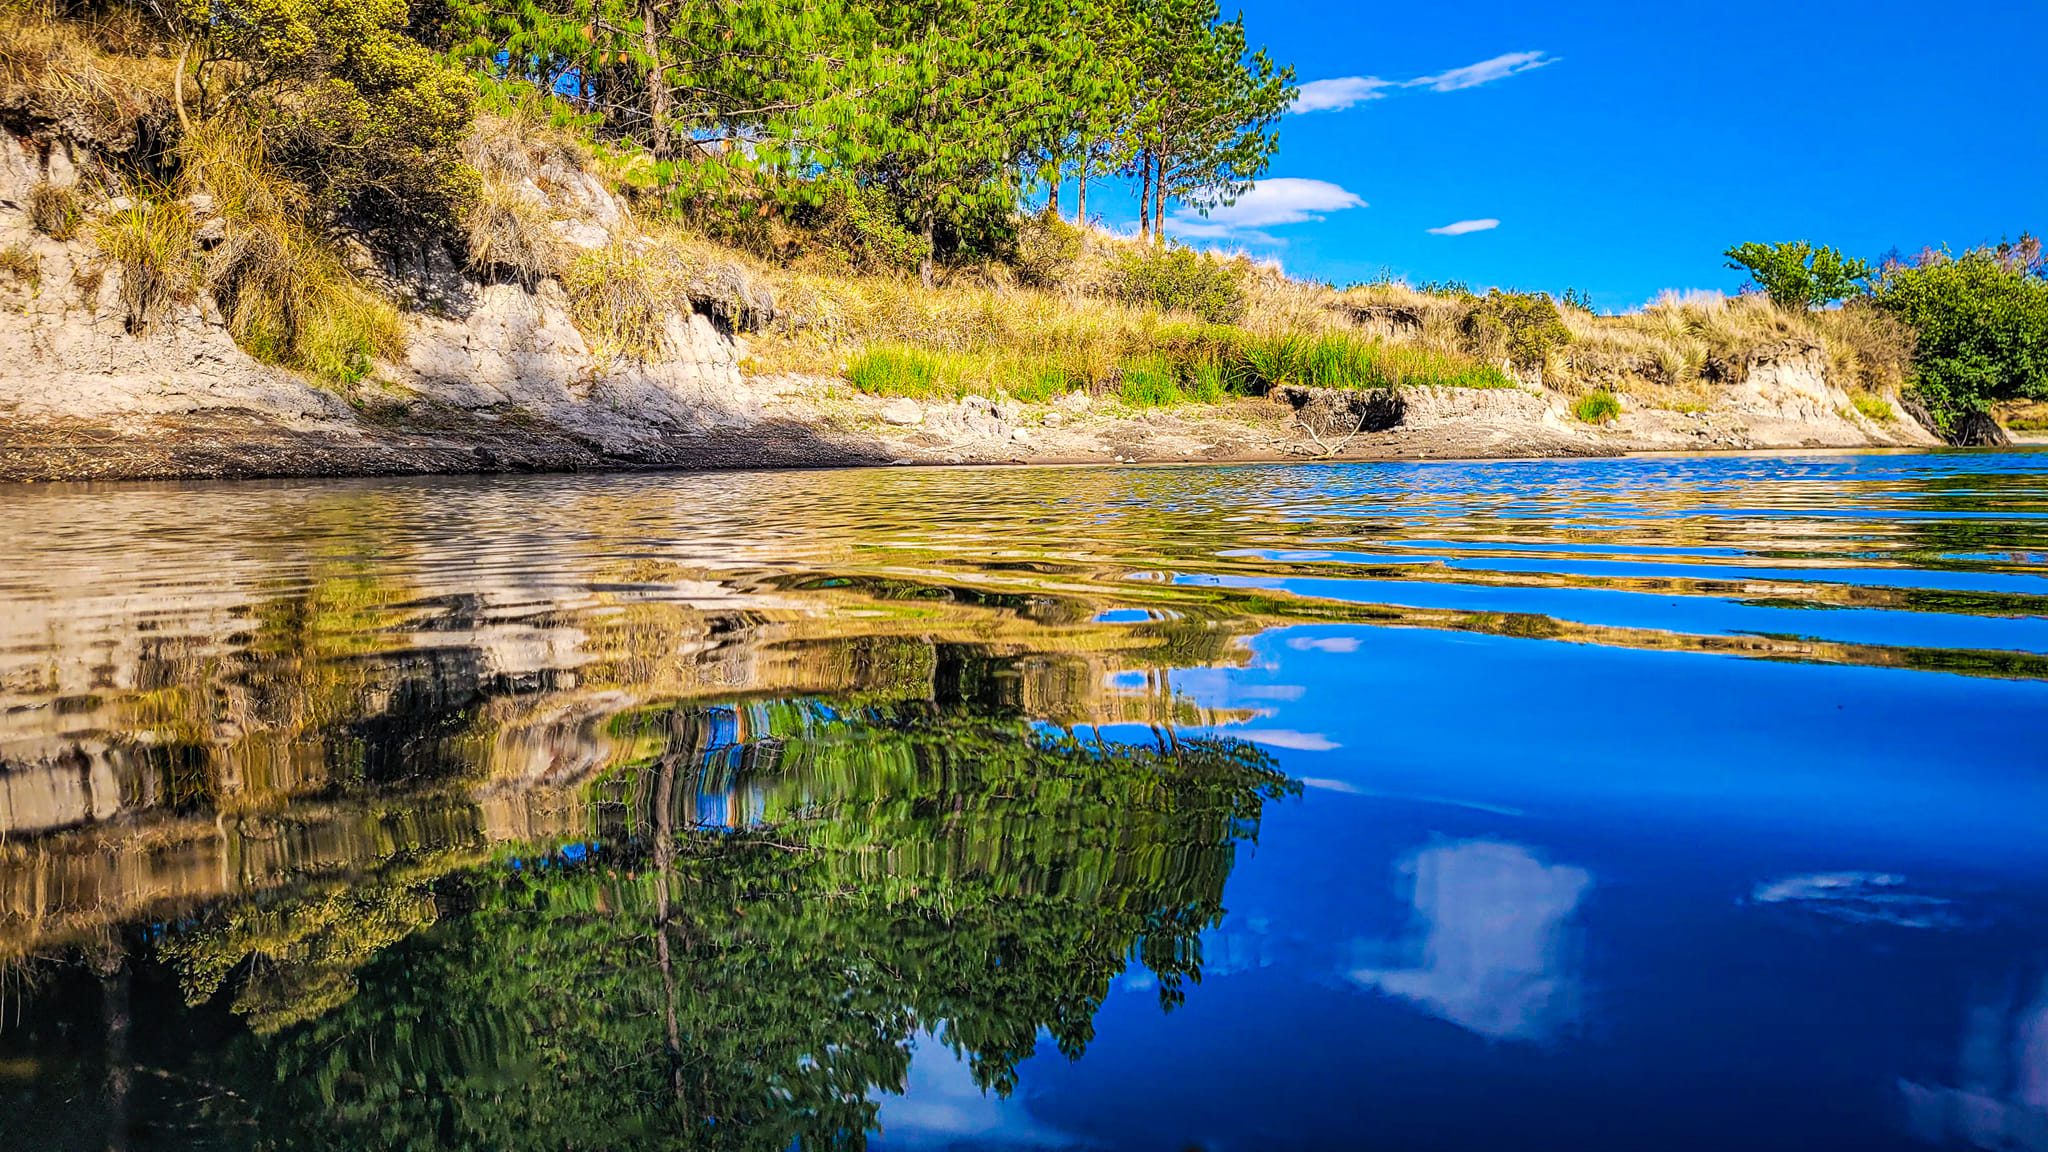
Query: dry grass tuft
(99, 72)
(286, 295)
(57, 211)
(18, 263)
(152, 243)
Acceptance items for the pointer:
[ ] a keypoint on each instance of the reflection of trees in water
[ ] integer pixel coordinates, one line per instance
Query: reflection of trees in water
(775, 900)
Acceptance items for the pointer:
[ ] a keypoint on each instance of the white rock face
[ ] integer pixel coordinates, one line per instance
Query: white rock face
(68, 356)
(903, 412)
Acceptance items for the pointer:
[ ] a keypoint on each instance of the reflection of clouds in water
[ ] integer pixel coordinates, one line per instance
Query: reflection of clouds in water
(1858, 898)
(1284, 738)
(2001, 1100)
(1488, 940)
(942, 1107)
(1338, 644)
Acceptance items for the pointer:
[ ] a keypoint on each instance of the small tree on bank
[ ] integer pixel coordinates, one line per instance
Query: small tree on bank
(1798, 274)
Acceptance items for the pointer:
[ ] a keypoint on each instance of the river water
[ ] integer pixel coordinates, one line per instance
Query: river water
(1648, 803)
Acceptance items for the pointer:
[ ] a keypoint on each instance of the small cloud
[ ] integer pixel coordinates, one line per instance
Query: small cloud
(1324, 785)
(1287, 738)
(1281, 200)
(1484, 72)
(1338, 644)
(1464, 226)
(1341, 93)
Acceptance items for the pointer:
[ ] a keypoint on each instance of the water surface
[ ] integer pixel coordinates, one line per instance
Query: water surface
(1662, 802)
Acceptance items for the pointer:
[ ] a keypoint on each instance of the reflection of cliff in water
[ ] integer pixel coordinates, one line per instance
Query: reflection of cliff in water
(759, 909)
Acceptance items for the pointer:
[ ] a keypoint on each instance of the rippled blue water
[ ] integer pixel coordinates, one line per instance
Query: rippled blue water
(1649, 803)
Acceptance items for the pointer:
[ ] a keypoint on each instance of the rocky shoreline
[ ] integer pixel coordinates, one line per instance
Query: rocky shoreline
(496, 377)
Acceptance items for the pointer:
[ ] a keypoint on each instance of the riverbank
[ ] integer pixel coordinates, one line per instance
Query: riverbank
(628, 343)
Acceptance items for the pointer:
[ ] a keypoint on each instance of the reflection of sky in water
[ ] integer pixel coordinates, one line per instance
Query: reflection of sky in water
(1544, 895)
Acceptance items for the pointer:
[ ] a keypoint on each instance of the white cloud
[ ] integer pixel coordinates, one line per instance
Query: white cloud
(1341, 93)
(1347, 91)
(1493, 935)
(1281, 200)
(1484, 72)
(1287, 738)
(1464, 226)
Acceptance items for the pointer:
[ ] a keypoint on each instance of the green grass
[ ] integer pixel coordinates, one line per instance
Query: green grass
(1597, 407)
(1339, 360)
(904, 371)
(1150, 382)
(1873, 407)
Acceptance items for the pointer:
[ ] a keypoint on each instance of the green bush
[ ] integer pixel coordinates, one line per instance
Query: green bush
(1873, 406)
(349, 103)
(1522, 328)
(1982, 325)
(1597, 407)
(1177, 279)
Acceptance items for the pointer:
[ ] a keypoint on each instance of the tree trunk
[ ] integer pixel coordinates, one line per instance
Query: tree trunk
(1081, 195)
(1145, 196)
(1159, 203)
(931, 243)
(659, 140)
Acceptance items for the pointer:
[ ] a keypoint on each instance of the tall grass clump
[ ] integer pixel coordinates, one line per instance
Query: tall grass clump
(1345, 360)
(902, 371)
(151, 243)
(284, 291)
(1150, 382)
(1596, 407)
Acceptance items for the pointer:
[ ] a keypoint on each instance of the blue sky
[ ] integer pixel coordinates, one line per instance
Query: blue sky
(1622, 147)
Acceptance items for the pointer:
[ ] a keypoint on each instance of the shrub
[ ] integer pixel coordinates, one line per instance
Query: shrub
(57, 211)
(1981, 325)
(1597, 407)
(1045, 249)
(1522, 328)
(1177, 279)
(1797, 274)
(151, 242)
(364, 115)
(622, 296)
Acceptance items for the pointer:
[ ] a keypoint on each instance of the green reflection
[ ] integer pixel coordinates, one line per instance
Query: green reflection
(772, 902)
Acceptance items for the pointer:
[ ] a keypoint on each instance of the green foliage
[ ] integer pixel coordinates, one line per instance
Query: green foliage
(1179, 279)
(352, 106)
(1596, 407)
(913, 874)
(1523, 328)
(1797, 274)
(1206, 106)
(1982, 325)
(903, 371)
(1150, 382)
